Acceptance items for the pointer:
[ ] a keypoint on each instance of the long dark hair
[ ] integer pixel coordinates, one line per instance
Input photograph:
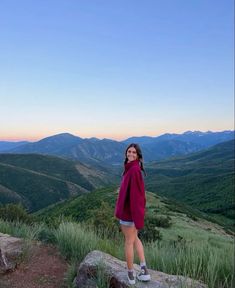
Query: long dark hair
(139, 155)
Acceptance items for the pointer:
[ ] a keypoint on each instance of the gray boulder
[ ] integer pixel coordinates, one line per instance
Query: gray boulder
(98, 266)
(10, 250)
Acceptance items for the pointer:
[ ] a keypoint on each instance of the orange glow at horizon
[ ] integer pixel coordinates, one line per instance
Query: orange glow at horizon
(118, 136)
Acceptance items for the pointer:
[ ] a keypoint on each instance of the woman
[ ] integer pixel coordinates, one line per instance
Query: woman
(130, 210)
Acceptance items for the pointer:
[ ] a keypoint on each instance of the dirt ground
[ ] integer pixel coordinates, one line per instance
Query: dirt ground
(43, 268)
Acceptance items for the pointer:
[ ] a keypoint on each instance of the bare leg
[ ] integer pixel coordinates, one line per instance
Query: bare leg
(130, 233)
(139, 248)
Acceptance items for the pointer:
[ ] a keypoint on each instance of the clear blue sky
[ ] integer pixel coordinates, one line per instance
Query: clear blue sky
(115, 68)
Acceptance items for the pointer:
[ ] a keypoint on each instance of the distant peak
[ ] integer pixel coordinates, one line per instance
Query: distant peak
(192, 132)
(61, 136)
(64, 135)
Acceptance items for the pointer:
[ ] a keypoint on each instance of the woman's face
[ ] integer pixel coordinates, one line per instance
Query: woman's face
(131, 154)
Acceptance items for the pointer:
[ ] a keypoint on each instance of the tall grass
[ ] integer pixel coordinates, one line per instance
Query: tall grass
(74, 241)
(210, 260)
(212, 265)
(71, 273)
(21, 230)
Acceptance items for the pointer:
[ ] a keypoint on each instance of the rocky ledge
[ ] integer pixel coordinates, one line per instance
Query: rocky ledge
(10, 250)
(98, 264)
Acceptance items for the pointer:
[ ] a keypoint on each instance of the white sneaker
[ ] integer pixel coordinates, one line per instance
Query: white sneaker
(144, 274)
(131, 277)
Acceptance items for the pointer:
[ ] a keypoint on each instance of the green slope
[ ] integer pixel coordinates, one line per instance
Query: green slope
(82, 208)
(39, 180)
(36, 190)
(49, 165)
(204, 180)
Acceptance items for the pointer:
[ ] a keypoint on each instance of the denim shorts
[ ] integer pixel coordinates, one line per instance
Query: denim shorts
(126, 223)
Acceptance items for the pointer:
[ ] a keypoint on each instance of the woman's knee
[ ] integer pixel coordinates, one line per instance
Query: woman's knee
(130, 235)
(129, 241)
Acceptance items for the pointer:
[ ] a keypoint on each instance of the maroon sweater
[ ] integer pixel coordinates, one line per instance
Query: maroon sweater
(130, 205)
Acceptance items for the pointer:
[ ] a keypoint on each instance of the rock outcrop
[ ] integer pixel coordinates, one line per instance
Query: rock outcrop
(98, 265)
(10, 250)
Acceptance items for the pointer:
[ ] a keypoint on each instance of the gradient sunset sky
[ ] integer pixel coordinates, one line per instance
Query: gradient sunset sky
(115, 69)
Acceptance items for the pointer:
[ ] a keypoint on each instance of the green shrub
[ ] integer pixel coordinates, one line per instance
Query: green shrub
(15, 212)
(103, 221)
(162, 221)
(193, 217)
(46, 235)
(150, 233)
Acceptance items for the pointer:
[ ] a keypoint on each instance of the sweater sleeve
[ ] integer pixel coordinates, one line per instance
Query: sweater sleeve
(137, 198)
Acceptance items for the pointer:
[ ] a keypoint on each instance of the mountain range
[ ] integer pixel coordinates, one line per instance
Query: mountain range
(106, 151)
(204, 179)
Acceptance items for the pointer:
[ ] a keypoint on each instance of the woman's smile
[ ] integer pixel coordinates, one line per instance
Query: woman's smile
(131, 154)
